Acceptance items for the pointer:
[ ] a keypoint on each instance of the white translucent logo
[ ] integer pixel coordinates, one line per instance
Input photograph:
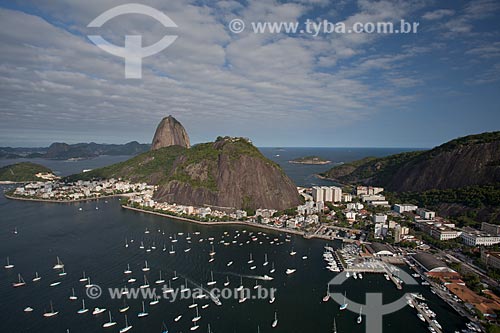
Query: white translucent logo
(133, 52)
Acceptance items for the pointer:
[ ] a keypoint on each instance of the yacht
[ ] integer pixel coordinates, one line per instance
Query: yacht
(229, 263)
(110, 323)
(292, 253)
(28, 309)
(56, 283)
(83, 309)
(290, 271)
(176, 319)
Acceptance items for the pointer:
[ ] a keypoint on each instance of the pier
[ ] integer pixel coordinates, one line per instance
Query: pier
(424, 314)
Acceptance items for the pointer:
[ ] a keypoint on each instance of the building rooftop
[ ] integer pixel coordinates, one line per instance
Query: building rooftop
(431, 263)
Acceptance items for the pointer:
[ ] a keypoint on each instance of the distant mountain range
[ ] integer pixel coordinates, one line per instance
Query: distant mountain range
(64, 151)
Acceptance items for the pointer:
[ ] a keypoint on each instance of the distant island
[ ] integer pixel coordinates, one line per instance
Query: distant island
(310, 160)
(25, 172)
(64, 151)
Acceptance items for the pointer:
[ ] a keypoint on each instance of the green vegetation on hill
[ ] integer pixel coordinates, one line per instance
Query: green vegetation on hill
(370, 168)
(22, 172)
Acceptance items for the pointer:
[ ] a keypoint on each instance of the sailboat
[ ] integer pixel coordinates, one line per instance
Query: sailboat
(175, 276)
(360, 318)
(175, 239)
(73, 296)
(110, 323)
(211, 282)
(212, 253)
(143, 313)
(37, 277)
(126, 242)
(125, 306)
(176, 319)
(128, 270)
(194, 327)
(168, 289)
(63, 273)
(334, 326)
(160, 280)
(272, 269)
(275, 322)
(127, 326)
(227, 281)
(59, 264)
(292, 253)
(88, 285)
(185, 288)
(265, 260)
(241, 284)
(327, 296)
(290, 271)
(20, 282)
(192, 305)
(146, 283)
(172, 251)
(197, 317)
(155, 301)
(83, 278)
(98, 311)
(343, 306)
(145, 268)
(243, 298)
(142, 245)
(8, 265)
(164, 328)
(229, 263)
(51, 313)
(251, 259)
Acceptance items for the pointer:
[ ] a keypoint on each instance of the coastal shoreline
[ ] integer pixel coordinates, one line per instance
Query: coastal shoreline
(67, 201)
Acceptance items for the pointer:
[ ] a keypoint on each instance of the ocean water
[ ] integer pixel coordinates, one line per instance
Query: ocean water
(93, 240)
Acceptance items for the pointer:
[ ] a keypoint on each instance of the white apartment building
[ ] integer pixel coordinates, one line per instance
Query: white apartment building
(317, 193)
(379, 218)
(426, 214)
(402, 208)
(477, 239)
(327, 193)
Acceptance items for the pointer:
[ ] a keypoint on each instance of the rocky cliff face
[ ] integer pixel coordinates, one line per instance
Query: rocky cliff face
(228, 173)
(471, 160)
(170, 132)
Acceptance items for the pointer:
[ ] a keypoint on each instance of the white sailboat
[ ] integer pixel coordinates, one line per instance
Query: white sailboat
(212, 252)
(8, 265)
(175, 277)
(127, 326)
(146, 283)
(290, 271)
(250, 261)
(360, 318)
(155, 301)
(265, 260)
(168, 289)
(128, 270)
(160, 280)
(145, 268)
(326, 298)
(334, 326)
(193, 305)
(73, 296)
(110, 323)
(272, 269)
(227, 281)
(212, 281)
(88, 285)
(241, 284)
(37, 277)
(185, 288)
(176, 319)
(63, 273)
(83, 278)
(143, 313)
(243, 298)
(20, 282)
(59, 264)
(172, 251)
(343, 306)
(275, 322)
(125, 307)
(51, 313)
(197, 317)
(293, 252)
(98, 311)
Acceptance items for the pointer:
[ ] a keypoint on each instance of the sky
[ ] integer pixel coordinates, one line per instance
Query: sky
(278, 89)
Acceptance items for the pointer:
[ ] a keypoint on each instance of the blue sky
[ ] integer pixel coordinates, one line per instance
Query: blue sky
(333, 90)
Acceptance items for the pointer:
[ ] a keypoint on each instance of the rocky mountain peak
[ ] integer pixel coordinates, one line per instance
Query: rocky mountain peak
(170, 132)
